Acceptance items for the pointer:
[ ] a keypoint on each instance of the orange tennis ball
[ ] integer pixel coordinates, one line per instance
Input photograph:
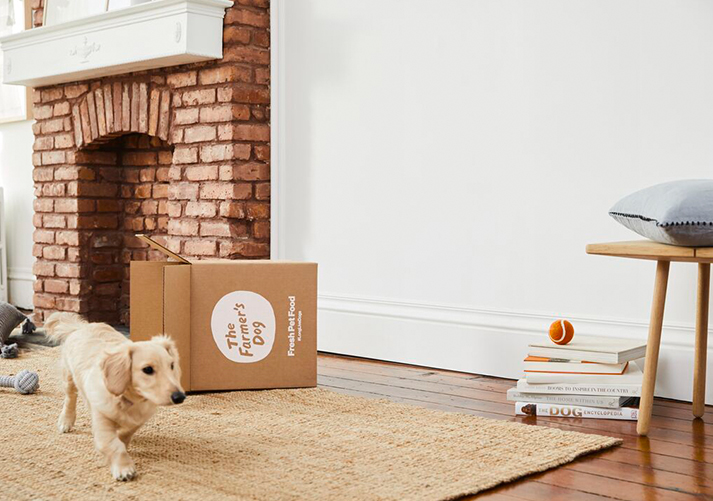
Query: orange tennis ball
(561, 331)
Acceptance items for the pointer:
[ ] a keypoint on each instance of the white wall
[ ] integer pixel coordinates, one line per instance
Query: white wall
(446, 163)
(16, 141)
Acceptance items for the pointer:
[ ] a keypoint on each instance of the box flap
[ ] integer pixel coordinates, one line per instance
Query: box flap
(155, 245)
(146, 298)
(177, 315)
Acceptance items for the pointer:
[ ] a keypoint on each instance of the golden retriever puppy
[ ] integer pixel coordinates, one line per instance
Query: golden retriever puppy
(121, 381)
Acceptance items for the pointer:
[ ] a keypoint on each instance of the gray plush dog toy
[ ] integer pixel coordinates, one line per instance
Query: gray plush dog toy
(24, 382)
(10, 318)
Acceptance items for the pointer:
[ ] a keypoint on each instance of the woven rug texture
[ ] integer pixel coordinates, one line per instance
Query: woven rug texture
(270, 445)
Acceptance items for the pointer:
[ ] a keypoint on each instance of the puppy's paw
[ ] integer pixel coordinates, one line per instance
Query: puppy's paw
(64, 424)
(123, 473)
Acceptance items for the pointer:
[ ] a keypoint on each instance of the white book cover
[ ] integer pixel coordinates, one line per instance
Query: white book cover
(544, 364)
(632, 375)
(624, 390)
(609, 402)
(575, 411)
(605, 350)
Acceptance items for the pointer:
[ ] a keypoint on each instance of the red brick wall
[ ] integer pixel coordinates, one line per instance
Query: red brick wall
(180, 153)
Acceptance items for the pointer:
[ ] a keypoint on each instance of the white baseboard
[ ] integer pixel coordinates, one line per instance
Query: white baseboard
(480, 341)
(20, 282)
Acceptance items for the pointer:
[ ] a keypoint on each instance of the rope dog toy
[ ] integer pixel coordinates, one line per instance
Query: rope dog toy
(24, 382)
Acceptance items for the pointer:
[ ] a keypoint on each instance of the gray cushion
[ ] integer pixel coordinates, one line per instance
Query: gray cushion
(677, 212)
(10, 317)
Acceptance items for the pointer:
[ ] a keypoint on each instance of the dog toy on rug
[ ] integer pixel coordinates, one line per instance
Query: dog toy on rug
(24, 382)
(10, 318)
(9, 351)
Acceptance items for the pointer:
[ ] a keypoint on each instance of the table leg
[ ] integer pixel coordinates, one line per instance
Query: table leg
(699, 367)
(652, 348)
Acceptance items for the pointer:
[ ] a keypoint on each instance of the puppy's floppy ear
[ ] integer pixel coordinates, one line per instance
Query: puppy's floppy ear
(168, 344)
(116, 367)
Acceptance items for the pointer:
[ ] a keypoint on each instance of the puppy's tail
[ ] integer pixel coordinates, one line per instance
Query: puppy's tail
(61, 324)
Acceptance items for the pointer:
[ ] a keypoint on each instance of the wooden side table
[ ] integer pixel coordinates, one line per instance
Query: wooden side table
(663, 254)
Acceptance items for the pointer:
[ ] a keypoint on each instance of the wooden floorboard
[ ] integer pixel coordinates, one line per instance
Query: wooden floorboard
(674, 463)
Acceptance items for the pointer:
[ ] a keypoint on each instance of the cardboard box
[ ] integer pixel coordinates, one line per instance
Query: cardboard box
(237, 324)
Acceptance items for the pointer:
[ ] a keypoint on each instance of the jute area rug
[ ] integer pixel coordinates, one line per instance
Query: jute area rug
(271, 445)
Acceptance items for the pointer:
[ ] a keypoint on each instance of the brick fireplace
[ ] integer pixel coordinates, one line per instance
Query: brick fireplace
(179, 153)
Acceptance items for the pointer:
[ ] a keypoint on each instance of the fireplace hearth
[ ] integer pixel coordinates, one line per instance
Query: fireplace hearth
(180, 153)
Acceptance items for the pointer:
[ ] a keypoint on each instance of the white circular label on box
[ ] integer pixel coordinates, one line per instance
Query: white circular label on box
(243, 325)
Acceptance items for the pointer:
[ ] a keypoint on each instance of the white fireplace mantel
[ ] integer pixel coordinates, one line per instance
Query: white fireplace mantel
(151, 35)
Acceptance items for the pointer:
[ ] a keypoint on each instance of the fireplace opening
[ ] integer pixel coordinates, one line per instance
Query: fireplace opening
(126, 193)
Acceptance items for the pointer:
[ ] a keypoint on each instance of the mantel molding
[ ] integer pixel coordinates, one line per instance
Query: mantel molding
(152, 35)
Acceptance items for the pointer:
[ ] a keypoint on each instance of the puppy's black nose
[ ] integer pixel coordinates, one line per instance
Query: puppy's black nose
(177, 397)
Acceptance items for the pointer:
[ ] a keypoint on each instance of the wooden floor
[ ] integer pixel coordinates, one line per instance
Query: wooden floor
(674, 463)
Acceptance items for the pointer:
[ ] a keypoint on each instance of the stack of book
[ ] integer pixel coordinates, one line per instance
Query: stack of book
(591, 377)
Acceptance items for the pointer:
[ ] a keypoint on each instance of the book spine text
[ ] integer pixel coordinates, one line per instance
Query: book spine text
(574, 411)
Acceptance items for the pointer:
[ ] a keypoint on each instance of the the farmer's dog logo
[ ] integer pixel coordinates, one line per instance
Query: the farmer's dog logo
(243, 325)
